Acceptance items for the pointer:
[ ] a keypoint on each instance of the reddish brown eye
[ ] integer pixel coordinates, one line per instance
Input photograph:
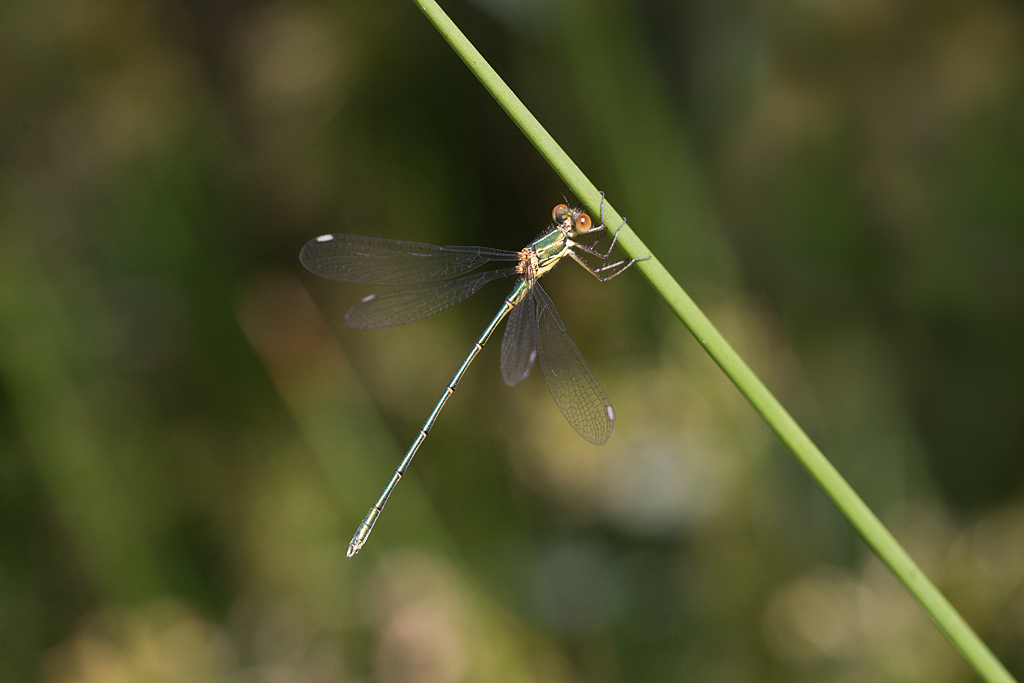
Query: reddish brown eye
(558, 213)
(583, 223)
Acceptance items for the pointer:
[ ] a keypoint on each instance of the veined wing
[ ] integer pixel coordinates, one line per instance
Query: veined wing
(519, 345)
(392, 263)
(400, 306)
(572, 383)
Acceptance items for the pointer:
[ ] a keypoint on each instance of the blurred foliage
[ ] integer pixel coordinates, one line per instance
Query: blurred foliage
(189, 435)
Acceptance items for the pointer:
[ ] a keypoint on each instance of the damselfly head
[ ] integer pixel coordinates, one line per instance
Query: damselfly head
(571, 220)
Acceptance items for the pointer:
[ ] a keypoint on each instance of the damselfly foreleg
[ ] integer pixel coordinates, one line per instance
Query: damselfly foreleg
(597, 272)
(589, 248)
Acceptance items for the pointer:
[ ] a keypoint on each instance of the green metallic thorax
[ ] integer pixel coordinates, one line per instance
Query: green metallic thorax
(549, 248)
(539, 257)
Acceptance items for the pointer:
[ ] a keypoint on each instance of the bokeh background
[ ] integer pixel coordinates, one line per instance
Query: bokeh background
(189, 434)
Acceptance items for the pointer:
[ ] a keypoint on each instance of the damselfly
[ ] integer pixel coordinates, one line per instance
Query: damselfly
(430, 279)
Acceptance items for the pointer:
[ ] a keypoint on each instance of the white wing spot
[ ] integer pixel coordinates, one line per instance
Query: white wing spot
(325, 238)
(611, 413)
(533, 356)
(368, 298)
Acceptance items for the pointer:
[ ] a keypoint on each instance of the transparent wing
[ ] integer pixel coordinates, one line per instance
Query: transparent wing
(519, 345)
(392, 263)
(400, 306)
(572, 383)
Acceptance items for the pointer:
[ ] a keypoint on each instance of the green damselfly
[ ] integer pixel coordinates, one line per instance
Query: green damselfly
(430, 279)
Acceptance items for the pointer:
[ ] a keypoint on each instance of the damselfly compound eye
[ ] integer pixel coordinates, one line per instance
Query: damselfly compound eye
(583, 223)
(558, 213)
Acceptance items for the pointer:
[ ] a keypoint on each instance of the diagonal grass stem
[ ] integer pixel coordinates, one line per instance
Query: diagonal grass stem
(867, 524)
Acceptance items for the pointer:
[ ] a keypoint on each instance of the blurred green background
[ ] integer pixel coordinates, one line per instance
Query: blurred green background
(189, 434)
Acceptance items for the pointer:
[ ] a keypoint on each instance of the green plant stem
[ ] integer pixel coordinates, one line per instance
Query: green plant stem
(768, 407)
